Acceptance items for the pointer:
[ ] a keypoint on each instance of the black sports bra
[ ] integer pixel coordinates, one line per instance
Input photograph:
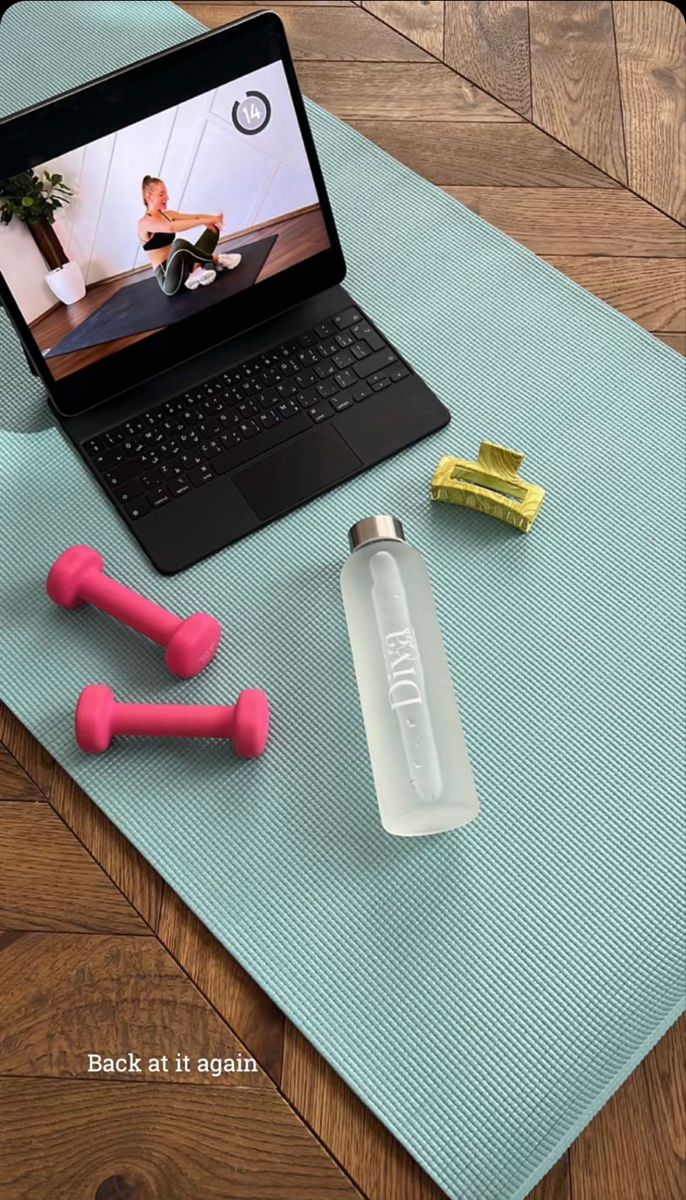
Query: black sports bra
(158, 240)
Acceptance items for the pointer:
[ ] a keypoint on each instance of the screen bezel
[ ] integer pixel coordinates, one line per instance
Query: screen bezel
(112, 102)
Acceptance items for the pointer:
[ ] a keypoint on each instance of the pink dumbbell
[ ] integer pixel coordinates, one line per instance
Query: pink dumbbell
(78, 577)
(99, 718)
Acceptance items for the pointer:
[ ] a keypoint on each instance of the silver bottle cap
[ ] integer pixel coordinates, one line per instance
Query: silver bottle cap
(375, 529)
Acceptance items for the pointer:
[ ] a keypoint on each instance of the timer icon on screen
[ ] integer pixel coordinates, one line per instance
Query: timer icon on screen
(251, 115)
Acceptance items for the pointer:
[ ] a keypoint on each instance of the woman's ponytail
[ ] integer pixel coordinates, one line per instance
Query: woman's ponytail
(145, 185)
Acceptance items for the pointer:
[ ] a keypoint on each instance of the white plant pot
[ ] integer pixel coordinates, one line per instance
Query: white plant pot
(67, 283)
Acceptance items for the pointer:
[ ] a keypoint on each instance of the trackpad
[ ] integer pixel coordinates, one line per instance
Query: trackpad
(304, 468)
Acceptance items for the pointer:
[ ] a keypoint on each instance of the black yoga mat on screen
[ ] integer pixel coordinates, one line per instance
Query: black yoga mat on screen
(141, 306)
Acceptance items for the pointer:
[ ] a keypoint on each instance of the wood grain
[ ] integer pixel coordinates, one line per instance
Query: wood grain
(249, 1011)
(577, 221)
(491, 153)
(651, 50)
(398, 91)
(126, 1142)
(574, 81)
(360, 1143)
(14, 782)
(333, 34)
(122, 862)
(67, 995)
(49, 881)
(636, 1147)
(419, 20)
(488, 42)
(652, 291)
(24, 747)
(557, 1184)
(676, 340)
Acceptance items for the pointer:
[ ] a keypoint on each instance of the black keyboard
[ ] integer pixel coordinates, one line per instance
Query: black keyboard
(160, 456)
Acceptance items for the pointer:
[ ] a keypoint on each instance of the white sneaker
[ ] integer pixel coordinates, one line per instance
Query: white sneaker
(229, 261)
(200, 278)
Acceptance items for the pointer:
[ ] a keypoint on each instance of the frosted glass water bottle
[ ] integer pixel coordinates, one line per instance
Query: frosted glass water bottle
(424, 782)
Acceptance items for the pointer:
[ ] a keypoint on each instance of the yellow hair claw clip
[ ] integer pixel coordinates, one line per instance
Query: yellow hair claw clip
(491, 485)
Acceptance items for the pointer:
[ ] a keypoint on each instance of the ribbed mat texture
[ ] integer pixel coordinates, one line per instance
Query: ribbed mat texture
(484, 992)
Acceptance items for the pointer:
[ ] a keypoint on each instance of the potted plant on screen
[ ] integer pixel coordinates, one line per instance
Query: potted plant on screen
(34, 200)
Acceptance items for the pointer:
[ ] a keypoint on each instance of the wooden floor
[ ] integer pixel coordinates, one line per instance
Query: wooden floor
(562, 123)
(297, 238)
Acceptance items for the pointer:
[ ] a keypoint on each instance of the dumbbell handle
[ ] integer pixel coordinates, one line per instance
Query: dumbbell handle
(119, 601)
(174, 720)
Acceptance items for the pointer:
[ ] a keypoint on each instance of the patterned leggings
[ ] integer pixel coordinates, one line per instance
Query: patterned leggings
(183, 255)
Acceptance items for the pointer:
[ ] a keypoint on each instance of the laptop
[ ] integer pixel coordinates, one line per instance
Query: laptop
(179, 292)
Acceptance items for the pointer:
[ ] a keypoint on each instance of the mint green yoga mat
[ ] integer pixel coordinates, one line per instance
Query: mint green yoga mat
(484, 992)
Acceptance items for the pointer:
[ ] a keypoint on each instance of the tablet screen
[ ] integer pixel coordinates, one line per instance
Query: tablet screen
(111, 242)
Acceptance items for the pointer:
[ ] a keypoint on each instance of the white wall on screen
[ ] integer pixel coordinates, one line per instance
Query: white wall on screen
(207, 164)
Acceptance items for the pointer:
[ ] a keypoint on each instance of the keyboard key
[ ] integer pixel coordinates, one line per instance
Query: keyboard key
(342, 401)
(201, 474)
(209, 428)
(344, 339)
(287, 409)
(111, 458)
(124, 472)
(210, 448)
(232, 438)
(95, 446)
(308, 397)
(346, 378)
(307, 339)
(324, 369)
(364, 330)
(320, 411)
(398, 373)
(247, 408)
(248, 429)
(284, 390)
(348, 317)
(304, 379)
(179, 487)
(327, 388)
(169, 471)
(380, 384)
(267, 419)
(343, 359)
(192, 458)
(375, 362)
(361, 392)
(159, 497)
(308, 357)
(325, 329)
(137, 508)
(360, 349)
(327, 348)
(152, 480)
(266, 398)
(129, 491)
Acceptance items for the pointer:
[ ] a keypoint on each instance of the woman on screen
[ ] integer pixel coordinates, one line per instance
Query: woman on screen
(177, 262)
